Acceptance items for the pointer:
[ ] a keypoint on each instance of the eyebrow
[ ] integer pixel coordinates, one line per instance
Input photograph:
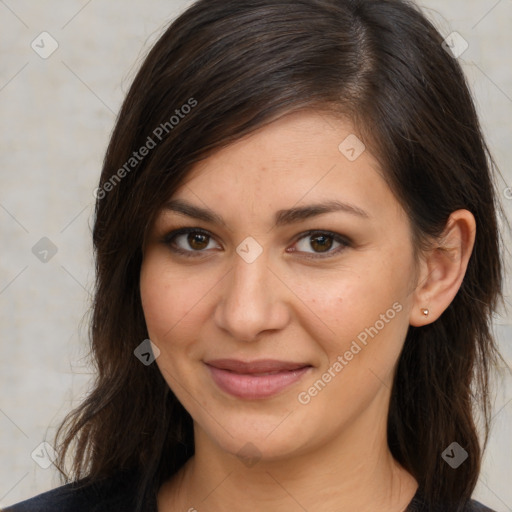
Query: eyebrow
(282, 217)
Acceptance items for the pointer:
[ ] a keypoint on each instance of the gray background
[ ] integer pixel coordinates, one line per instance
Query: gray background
(56, 117)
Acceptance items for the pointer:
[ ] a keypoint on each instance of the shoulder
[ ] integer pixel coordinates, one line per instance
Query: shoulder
(418, 504)
(65, 498)
(110, 494)
(476, 506)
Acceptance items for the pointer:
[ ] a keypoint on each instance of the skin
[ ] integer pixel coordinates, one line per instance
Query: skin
(330, 453)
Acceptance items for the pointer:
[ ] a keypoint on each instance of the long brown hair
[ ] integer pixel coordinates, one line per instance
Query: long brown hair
(223, 69)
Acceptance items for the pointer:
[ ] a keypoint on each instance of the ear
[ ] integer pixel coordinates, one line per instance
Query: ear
(442, 268)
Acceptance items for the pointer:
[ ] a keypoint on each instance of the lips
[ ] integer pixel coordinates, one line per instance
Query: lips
(255, 379)
(252, 367)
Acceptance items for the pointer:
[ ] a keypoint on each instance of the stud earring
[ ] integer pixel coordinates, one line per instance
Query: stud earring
(425, 311)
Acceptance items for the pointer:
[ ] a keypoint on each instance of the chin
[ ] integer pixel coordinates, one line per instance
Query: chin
(251, 438)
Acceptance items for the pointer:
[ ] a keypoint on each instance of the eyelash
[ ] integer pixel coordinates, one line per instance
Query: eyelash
(169, 240)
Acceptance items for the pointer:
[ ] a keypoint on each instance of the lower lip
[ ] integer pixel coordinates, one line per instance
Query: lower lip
(253, 387)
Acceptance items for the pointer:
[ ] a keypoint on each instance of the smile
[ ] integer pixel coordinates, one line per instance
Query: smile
(255, 380)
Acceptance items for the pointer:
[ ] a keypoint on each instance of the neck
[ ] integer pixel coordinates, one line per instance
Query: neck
(355, 471)
(388, 488)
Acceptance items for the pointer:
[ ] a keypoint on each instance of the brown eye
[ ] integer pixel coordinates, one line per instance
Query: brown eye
(197, 241)
(321, 242)
(194, 242)
(189, 242)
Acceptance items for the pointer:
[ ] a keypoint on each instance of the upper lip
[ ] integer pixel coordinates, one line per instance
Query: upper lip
(259, 366)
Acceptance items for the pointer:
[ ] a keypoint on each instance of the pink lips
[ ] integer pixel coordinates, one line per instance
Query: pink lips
(256, 379)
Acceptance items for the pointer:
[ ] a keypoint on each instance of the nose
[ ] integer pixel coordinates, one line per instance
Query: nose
(252, 300)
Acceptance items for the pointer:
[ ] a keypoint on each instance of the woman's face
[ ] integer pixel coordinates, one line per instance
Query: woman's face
(270, 334)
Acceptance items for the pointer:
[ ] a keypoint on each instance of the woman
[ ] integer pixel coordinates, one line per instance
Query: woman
(297, 262)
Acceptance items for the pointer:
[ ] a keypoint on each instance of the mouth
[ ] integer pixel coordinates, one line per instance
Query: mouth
(255, 379)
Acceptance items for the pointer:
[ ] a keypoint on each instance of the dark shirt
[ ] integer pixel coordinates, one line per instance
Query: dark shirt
(117, 494)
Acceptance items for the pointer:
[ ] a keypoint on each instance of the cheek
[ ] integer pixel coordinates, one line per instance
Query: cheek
(167, 301)
(364, 303)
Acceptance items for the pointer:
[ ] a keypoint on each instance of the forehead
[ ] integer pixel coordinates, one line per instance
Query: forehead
(301, 158)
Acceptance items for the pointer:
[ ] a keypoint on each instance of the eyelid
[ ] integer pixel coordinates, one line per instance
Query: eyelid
(344, 242)
(171, 235)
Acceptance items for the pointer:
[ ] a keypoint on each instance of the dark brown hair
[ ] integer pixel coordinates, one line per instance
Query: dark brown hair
(238, 65)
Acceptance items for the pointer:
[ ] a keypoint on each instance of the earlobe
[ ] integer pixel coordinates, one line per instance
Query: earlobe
(443, 269)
